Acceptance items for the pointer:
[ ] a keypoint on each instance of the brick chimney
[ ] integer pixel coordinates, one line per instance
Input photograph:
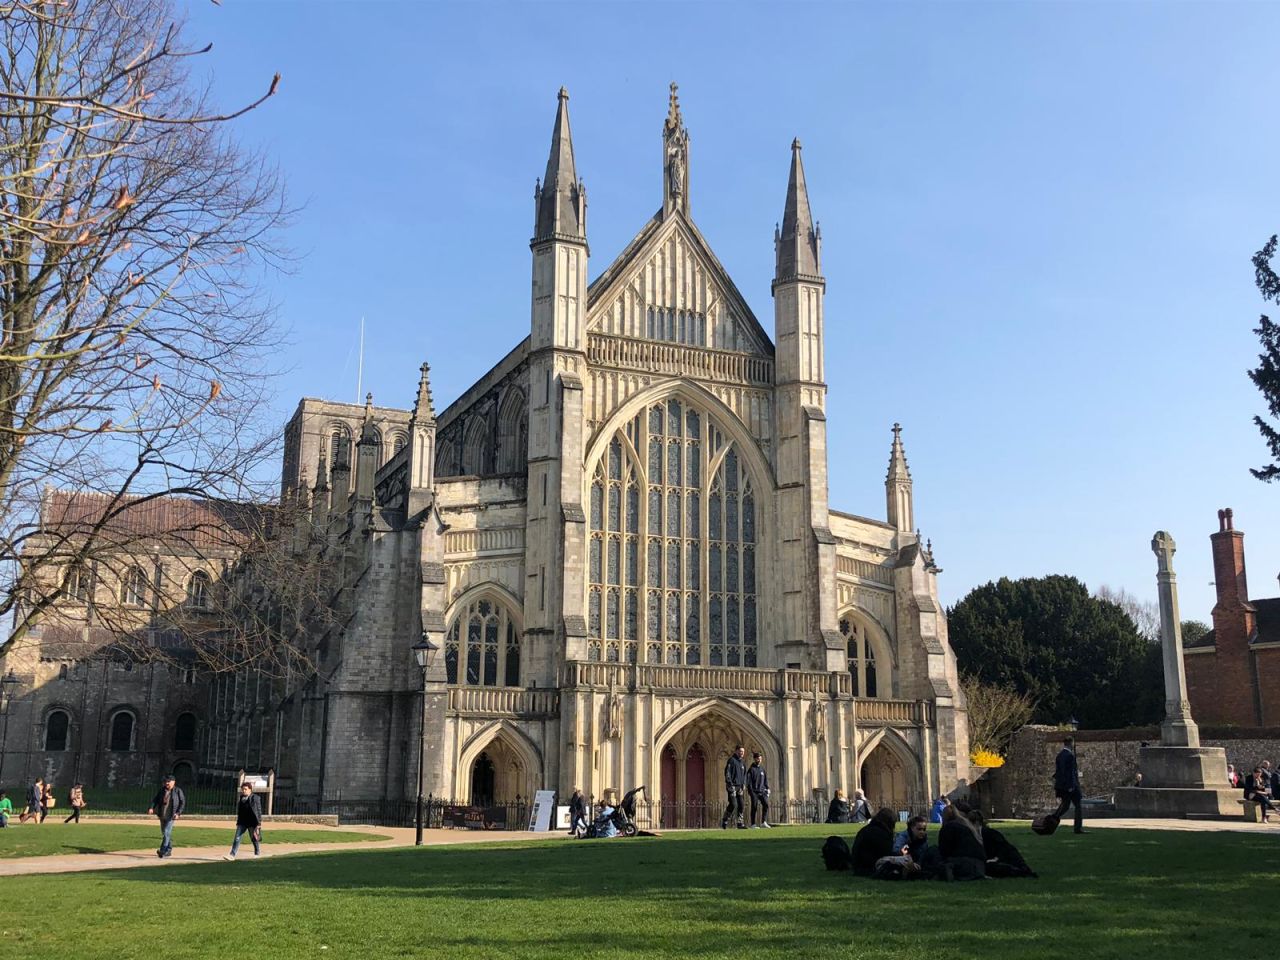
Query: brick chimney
(1228, 561)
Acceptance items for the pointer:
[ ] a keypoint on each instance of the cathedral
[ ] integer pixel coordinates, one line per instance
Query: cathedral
(619, 545)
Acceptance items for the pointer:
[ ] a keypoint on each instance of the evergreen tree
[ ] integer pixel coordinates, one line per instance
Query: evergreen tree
(1075, 655)
(1267, 375)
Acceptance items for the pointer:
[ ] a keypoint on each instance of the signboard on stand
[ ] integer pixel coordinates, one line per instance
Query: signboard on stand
(474, 818)
(544, 802)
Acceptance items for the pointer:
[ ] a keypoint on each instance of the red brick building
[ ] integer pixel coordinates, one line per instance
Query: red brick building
(1233, 672)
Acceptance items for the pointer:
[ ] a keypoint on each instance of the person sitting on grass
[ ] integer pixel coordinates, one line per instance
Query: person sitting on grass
(913, 842)
(860, 810)
(873, 842)
(960, 845)
(1003, 858)
(1257, 787)
(838, 811)
(6, 809)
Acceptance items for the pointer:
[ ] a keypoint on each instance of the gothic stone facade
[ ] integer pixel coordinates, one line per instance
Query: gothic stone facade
(621, 540)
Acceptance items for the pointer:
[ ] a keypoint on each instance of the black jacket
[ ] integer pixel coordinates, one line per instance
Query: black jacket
(838, 812)
(873, 841)
(998, 848)
(577, 805)
(735, 772)
(757, 780)
(249, 811)
(957, 839)
(1066, 774)
(177, 804)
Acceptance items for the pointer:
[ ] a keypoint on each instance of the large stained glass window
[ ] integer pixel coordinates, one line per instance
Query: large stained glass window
(482, 647)
(672, 555)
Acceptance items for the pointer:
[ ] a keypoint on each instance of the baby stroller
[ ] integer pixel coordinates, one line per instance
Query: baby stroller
(619, 821)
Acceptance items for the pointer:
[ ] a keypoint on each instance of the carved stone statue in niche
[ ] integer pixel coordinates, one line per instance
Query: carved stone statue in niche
(817, 720)
(675, 169)
(613, 716)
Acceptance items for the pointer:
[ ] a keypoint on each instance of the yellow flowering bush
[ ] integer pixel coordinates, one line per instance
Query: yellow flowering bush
(986, 758)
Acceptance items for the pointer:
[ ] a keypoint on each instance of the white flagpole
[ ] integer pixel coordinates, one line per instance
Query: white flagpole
(360, 364)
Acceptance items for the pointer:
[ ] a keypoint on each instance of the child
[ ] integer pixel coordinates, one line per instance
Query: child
(6, 809)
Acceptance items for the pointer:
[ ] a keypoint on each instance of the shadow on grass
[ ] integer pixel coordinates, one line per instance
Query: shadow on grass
(1106, 894)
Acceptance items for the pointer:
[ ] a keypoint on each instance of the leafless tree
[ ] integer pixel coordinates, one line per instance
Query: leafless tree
(134, 232)
(1144, 613)
(996, 713)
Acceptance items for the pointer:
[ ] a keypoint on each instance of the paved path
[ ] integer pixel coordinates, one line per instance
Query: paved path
(126, 859)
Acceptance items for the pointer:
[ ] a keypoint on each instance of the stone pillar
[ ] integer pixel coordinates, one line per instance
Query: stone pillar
(1178, 729)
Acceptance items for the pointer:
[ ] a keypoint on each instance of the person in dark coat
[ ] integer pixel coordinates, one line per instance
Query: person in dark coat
(735, 781)
(960, 845)
(838, 810)
(248, 818)
(168, 805)
(758, 789)
(1066, 782)
(577, 811)
(1003, 858)
(872, 842)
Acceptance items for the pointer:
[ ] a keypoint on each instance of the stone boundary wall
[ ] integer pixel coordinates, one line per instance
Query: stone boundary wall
(1023, 787)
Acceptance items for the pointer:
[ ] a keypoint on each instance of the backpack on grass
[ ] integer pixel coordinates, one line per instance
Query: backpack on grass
(835, 854)
(1045, 825)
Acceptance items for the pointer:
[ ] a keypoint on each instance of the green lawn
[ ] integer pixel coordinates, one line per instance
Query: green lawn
(49, 838)
(749, 896)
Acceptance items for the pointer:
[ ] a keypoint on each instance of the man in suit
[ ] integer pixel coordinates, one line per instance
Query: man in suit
(1066, 782)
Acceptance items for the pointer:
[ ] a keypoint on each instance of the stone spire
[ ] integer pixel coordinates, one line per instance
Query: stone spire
(366, 453)
(422, 437)
(675, 158)
(798, 243)
(560, 200)
(897, 485)
(423, 408)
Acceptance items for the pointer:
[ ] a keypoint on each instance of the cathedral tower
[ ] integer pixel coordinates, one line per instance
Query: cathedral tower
(555, 526)
(808, 547)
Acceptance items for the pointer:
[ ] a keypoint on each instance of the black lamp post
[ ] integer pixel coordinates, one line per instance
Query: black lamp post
(8, 687)
(424, 652)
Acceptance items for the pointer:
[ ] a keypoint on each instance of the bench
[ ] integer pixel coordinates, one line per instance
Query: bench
(1252, 811)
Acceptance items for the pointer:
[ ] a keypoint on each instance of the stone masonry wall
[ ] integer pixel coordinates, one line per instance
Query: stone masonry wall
(1108, 759)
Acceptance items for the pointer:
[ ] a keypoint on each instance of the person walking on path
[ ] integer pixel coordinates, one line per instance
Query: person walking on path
(47, 800)
(758, 788)
(1066, 782)
(35, 802)
(735, 781)
(167, 805)
(248, 818)
(77, 803)
(577, 812)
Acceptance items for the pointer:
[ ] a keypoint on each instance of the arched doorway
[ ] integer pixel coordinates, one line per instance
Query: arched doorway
(503, 773)
(184, 773)
(694, 756)
(889, 778)
(482, 781)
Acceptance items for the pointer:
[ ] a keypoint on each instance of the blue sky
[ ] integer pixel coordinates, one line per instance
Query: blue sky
(1037, 224)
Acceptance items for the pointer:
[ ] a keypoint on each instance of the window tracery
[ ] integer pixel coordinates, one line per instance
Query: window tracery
(671, 566)
(862, 656)
(482, 646)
